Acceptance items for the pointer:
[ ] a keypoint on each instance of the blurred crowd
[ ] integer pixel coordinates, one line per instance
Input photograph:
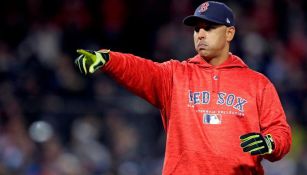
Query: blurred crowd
(97, 127)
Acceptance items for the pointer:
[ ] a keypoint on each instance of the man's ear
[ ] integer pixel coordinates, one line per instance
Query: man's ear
(230, 33)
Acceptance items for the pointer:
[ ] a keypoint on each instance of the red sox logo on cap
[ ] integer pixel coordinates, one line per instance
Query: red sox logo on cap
(203, 7)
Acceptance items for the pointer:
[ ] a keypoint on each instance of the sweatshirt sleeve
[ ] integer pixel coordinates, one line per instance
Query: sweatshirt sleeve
(273, 121)
(145, 78)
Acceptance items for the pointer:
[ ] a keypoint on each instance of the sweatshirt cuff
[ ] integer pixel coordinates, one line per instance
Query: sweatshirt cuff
(113, 61)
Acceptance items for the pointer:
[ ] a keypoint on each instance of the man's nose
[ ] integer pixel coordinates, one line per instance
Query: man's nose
(202, 33)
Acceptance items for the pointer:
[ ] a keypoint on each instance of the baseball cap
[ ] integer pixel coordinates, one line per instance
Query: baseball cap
(216, 12)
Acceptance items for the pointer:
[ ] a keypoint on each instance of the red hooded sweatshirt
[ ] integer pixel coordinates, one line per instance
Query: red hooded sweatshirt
(205, 109)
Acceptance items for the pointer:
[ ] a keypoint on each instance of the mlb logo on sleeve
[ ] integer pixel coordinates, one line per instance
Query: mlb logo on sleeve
(212, 119)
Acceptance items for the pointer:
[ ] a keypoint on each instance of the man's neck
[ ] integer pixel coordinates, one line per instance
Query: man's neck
(218, 60)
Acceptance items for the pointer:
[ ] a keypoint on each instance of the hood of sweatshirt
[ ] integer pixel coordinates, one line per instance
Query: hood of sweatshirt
(232, 62)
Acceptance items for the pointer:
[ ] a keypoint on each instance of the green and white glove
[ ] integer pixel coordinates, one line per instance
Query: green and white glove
(89, 61)
(256, 144)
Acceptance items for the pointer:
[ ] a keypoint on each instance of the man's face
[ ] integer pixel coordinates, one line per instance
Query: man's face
(210, 39)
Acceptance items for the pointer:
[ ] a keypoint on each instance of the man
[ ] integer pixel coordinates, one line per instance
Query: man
(220, 117)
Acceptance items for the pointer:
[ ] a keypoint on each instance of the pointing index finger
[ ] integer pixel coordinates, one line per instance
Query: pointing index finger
(84, 52)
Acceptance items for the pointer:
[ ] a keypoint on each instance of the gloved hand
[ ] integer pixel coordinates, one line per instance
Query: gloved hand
(256, 144)
(90, 61)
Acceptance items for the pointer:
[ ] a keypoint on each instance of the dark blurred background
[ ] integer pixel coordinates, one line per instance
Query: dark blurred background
(53, 121)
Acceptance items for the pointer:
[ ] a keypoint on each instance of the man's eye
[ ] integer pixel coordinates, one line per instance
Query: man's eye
(206, 28)
(209, 27)
(197, 29)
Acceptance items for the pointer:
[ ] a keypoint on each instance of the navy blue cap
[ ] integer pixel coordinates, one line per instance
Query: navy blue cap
(216, 12)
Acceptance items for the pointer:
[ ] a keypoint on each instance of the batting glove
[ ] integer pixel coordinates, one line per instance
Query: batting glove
(89, 61)
(256, 144)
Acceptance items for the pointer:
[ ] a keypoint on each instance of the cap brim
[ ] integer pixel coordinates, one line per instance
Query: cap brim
(192, 20)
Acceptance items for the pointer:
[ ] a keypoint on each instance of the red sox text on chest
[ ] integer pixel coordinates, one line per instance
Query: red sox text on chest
(230, 99)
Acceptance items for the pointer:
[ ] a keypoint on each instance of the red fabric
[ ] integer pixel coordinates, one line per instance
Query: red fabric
(193, 95)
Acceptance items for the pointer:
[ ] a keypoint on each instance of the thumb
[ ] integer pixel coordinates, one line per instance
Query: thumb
(98, 63)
